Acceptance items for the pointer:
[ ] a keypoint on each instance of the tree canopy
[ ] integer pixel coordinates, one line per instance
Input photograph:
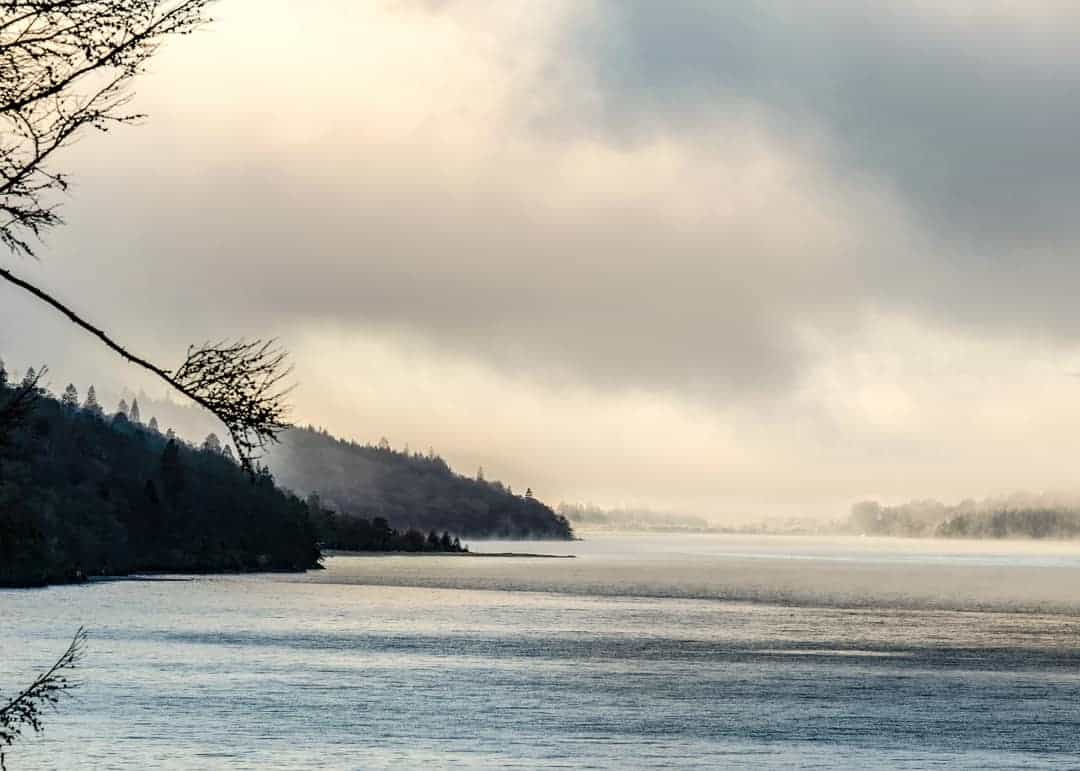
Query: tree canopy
(81, 496)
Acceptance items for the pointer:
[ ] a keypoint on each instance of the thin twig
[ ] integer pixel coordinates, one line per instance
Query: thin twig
(237, 382)
(25, 709)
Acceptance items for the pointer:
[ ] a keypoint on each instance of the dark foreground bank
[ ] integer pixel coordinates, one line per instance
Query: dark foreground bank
(84, 495)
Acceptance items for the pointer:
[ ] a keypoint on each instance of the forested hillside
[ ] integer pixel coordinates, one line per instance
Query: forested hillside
(408, 490)
(1020, 515)
(83, 493)
(368, 482)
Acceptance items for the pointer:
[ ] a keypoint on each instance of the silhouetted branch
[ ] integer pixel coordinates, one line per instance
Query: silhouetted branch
(64, 65)
(239, 382)
(25, 710)
(16, 405)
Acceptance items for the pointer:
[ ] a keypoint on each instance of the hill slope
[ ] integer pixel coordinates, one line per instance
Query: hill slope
(82, 494)
(407, 490)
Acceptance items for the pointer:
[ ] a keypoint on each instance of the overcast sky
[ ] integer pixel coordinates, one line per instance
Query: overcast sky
(734, 259)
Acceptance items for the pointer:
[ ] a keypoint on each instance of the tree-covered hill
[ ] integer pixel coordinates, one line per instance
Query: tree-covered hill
(82, 493)
(1020, 515)
(408, 490)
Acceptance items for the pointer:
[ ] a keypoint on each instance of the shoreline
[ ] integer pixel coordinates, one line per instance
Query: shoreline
(147, 575)
(191, 575)
(348, 553)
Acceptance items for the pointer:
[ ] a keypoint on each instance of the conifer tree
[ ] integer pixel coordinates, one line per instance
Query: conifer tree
(228, 453)
(133, 415)
(212, 443)
(70, 397)
(122, 408)
(153, 426)
(3, 375)
(172, 471)
(91, 404)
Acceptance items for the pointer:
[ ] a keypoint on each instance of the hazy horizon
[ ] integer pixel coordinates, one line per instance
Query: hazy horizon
(725, 261)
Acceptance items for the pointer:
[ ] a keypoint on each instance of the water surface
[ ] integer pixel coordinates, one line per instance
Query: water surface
(644, 651)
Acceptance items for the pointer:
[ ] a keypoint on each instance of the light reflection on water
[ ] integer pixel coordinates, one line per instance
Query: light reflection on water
(674, 651)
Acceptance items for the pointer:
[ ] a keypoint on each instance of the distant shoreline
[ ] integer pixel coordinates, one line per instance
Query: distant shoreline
(584, 531)
(347, 553)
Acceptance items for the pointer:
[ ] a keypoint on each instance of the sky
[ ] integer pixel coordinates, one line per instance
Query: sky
(735, 259)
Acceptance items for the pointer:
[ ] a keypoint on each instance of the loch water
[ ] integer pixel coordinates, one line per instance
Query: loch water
(643, 651)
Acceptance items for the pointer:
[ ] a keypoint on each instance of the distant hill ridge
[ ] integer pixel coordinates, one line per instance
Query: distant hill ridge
(408, 490)
(370, 481)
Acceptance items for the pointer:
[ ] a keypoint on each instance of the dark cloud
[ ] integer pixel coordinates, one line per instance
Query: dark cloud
(614, 296)
(963, 123)
(971, 115)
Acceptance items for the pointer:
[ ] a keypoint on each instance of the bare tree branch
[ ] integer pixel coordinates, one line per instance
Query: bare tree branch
(64, 68)
(25, 710)
(14, 407)
(52, 54)
(239, 382)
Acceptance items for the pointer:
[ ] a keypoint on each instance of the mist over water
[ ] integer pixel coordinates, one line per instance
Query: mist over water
(644, 651)
(792, 570)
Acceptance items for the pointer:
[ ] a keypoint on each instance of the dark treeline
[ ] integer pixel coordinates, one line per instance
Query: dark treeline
(625, 518)
(83, 493)
(407, 490)
(352, 533)
(1017, 516)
